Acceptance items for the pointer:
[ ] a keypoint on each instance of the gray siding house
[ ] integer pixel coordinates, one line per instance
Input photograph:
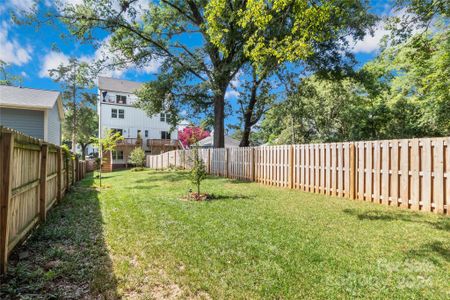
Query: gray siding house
(38, 113)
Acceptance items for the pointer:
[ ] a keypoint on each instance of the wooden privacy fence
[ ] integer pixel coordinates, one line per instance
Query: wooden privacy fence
(34, 176)
(412, 173)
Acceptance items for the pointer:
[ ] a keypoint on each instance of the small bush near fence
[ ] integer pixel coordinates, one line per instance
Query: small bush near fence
(34, 175)
(413, 174)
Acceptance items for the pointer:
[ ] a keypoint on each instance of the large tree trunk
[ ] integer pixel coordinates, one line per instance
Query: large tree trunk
(219, 119)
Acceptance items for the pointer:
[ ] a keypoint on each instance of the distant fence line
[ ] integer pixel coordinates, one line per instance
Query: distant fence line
(410, 173)
(34, 176)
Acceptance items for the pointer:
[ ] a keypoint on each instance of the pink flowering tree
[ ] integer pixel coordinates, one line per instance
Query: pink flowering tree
(191, 135)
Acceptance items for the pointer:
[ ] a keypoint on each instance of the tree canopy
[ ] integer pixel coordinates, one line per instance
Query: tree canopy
(224, 36)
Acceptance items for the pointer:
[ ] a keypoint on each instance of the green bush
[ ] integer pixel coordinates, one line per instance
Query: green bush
(137, 157)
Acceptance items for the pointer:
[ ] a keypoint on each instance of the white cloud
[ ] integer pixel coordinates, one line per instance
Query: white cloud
(233, 88)
(24, 74)
(51, 61)
(18, 6)
(104, 54)
(108, 56)
(13, 52)
(370, 43)
(231, 94)
(152, 67)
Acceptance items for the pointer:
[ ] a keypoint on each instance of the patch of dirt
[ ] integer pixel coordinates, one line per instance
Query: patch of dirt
(197, 197)
(171, 291)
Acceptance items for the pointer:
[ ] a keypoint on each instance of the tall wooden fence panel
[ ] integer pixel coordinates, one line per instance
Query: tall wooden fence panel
(239, 161)
(409, 173)
(34, 176)
(219, 166)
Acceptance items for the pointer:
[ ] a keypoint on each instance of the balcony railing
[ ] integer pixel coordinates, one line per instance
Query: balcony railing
(163, 143)
(151, 142)
(127, 141)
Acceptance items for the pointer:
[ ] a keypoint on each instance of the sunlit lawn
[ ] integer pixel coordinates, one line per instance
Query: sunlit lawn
(137, 239)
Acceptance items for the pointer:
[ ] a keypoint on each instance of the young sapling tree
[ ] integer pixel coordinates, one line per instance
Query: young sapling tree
(198, 172)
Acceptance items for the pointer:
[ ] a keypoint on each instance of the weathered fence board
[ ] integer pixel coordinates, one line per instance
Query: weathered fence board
(413, 173)
(30, 185)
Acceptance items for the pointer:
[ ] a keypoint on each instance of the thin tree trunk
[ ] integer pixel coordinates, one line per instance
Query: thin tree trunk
(219, 118)
(74, 120)
(83, 151)
(245, 140)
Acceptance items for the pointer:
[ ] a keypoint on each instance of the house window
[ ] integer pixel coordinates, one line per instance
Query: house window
(121, 99)
(114, 130)
(117, 155)
(163, 117)
(121, 114)
(113, 113)
(146, 133)
(165, 135)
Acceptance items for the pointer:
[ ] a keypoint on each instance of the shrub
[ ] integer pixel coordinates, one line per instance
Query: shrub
(198, 172)
(137, 157)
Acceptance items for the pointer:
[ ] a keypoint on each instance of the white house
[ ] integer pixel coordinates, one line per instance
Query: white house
(117, 112)
(37, 113)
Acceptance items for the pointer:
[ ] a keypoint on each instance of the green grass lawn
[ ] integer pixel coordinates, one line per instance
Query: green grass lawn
(137, 239)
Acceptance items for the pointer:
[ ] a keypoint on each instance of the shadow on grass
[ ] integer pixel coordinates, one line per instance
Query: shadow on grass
(67, 256)
(431, 250)
(145, 187)
(442, 223)
(215, 197)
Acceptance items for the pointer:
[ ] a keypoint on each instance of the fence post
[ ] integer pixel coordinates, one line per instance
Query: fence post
(72, 171)
(6, 157)
(66, 164)
(175, 158)
(209, 161)
(291, 166)
(43, 183)
(58, 174)
(226, 162)
(253, 165)
(352, 172)
(184, 159)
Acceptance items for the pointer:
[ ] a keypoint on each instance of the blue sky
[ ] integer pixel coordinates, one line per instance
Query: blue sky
(29, 50)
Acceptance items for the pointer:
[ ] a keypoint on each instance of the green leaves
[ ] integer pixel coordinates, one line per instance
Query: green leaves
(137, 157)
(198, 171)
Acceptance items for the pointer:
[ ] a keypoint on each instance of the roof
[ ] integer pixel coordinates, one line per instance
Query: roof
(118, 85)
(209, 141)
(20, 97)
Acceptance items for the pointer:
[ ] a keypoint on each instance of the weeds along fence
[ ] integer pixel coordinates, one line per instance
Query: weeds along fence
(34, 176)
(412, 173)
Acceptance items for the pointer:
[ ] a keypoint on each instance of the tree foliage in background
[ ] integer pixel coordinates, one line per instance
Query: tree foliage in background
(109, 140)
(80, 122)
(87, 122)
(403, 93)
(6, 78)
(227, 34)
